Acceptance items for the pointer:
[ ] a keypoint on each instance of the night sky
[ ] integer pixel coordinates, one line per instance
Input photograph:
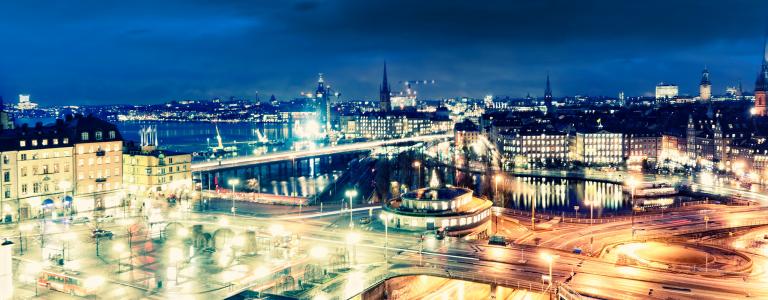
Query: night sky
(99, 52)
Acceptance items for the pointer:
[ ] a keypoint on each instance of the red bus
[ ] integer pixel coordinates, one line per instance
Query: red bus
(69, 283)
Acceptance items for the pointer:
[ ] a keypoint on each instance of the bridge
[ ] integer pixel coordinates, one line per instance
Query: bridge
(289, 155)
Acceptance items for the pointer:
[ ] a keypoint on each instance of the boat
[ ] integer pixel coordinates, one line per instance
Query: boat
(652, 189)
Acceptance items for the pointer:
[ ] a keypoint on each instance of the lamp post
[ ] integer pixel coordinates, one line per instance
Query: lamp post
(233, 183)
(417, 165)
(351, 194)
(549, 258)
(632, 183)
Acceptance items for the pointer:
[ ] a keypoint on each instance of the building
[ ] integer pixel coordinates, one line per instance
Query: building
(535, 146)
(37, 172)
(761, 87)
(598, 147)
(6, 122)
(385, 93)
(98, 162)
(642, 147)
(323, 103)
(705, 86)
(73, 165)
(25, 103)
(155, 173)
(452, 209)
(465, 134)
(666, 91)
(393, 124)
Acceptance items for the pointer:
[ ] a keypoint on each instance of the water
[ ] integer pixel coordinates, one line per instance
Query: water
(198, 136)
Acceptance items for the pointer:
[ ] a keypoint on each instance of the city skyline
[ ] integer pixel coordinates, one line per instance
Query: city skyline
(120, 55)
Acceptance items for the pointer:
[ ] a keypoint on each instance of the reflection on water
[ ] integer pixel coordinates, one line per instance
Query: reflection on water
(560, 195)
(552, 195)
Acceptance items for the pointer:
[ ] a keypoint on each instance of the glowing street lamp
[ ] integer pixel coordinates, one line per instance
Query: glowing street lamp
(351, 194)
(550, 259)
(233, 183)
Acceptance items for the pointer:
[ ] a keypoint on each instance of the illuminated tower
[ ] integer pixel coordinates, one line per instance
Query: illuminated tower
(761, 86)
(385, 93)
(705, 87)
(323, 105)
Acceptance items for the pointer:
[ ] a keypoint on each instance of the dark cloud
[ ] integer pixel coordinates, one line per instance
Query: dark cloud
(101, 52)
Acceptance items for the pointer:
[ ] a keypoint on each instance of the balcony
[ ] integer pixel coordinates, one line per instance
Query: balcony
(101, 179)
(100, 153)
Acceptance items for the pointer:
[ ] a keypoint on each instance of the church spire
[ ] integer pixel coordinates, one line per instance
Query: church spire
(384, 92)
(548, 93)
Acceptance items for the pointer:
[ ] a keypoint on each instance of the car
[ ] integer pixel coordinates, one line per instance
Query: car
(105, 219)
(497, 240)
(365, 220)
(101, 233)
(80, 220)
(577, 250)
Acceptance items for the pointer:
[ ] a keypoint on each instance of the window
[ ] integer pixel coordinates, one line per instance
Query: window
(7, 176)
(84, 135)
(111, 134)
(45, 142)
(65, 141)
(98, 135)
(22, 143)
(55, 141)
(7, 191)
(24, 188)
(23, 171)
(36, 187)
(80, 162)
(5, 159)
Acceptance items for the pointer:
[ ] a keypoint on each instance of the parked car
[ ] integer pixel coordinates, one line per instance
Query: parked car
(101, 233)
(105, 219)
(365, 220)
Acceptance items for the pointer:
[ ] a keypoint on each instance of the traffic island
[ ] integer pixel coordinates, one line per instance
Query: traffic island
(678, 257)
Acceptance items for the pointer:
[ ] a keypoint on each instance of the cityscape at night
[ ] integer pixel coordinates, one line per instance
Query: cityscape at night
(336, 149)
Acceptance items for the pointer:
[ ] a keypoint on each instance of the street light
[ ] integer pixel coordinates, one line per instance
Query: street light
(549, 258)
(385, 217)
(233, 183)
(632, 183)
(417, 165)
(351, 194)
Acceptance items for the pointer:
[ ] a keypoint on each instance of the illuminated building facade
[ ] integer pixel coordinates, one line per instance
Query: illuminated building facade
(149, 171)
(36, 171)
(705, 87)
(453, 209)
(380, 125)
(666, 91)
(535, 146)
(600, 147)
(98, 162)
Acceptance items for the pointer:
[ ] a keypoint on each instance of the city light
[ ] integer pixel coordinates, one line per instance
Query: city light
(231, 183)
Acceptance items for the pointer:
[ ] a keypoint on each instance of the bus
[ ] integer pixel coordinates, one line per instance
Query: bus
(70, 283)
